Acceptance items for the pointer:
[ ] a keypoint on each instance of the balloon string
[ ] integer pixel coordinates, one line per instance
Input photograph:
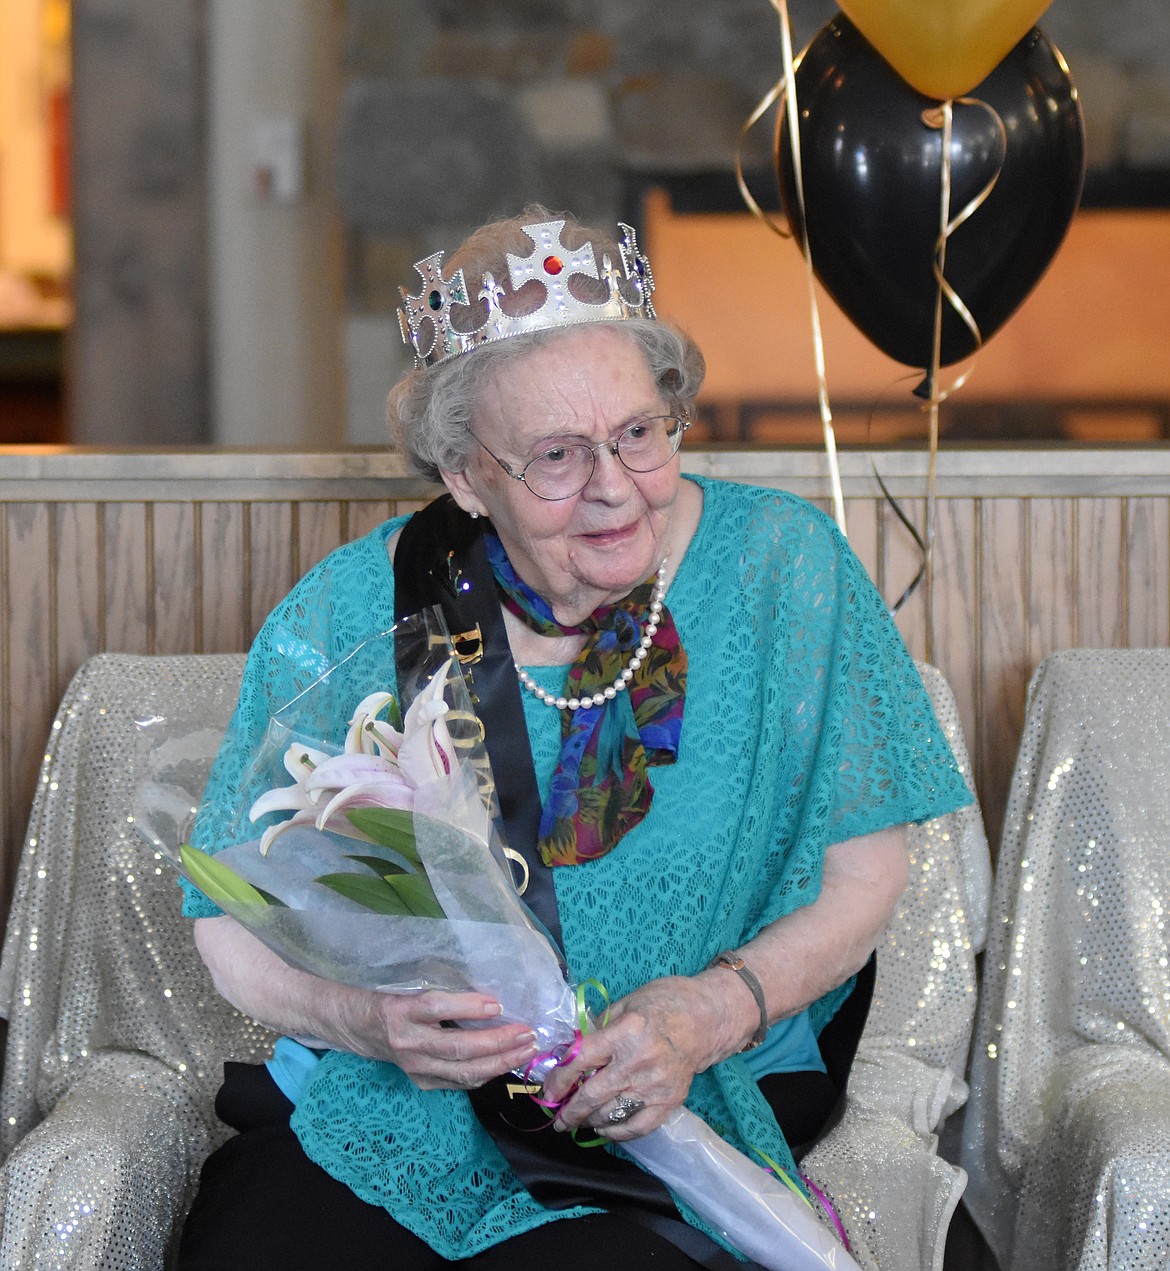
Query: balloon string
(766, 104)
(825, 1203)
(565, 1055)
(787, 85)
(943, 288)
(942, 116)
(793, 114)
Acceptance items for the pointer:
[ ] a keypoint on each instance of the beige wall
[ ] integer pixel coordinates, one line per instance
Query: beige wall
(1096, 326)
(32, 239)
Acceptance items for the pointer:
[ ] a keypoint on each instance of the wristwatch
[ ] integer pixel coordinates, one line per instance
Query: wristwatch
(733, 962)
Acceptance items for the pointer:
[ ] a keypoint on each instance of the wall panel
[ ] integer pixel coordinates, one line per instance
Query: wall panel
(1147, 550)
(220, 554)
(29, 659)
(1102, 573)
(178, 585)
(1005, 664)
(1051, 574)
(77, 587)
(270, 548)
(128, 572)
(951, 603)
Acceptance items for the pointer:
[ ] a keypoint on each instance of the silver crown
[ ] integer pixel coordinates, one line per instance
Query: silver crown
(425, 319)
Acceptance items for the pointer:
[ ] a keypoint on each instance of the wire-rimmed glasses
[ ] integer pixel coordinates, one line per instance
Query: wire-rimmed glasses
(563, 471)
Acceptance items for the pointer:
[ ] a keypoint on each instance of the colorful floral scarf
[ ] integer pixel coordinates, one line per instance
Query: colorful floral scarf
(600, 789)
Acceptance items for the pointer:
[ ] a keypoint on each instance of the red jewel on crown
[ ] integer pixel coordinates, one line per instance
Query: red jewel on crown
(553, 265)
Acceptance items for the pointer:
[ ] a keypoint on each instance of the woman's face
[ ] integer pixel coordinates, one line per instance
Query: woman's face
(587, 385)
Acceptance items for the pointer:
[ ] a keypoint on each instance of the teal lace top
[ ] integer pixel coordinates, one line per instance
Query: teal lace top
(806, 724)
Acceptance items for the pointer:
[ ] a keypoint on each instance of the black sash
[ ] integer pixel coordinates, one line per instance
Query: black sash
(440, 560)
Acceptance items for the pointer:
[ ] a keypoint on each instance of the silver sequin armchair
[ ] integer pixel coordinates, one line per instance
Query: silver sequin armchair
(895, 1192)
(1067, 1135)
(116, 1036)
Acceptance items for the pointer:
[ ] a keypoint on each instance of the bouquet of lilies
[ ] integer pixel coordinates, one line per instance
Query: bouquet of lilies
(388, 872)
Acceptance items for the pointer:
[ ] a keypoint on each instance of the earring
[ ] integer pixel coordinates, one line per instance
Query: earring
(474, 516)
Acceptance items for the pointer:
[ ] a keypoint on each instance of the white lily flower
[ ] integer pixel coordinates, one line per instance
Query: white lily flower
(304, 817)
(371, 794)
(380, 767)
(361, 737)
(300, 763)
(427, 752)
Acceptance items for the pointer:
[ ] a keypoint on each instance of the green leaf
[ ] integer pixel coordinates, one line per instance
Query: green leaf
(417, 894)
(371, 893)
(273, 902)
(388, 827)
(379, 864)
(221, 885)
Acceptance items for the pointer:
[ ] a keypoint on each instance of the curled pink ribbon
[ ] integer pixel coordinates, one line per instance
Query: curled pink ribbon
(565, 1055)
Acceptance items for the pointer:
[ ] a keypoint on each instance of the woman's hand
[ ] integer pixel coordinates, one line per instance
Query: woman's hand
(651, 1045)
(659, 1036)
(421, 1033)
(413, 1031)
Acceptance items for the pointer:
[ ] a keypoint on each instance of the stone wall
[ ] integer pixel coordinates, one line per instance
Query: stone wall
(455, 111)
(459, 109)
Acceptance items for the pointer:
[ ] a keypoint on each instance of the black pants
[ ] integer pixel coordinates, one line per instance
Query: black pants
(264, 1206)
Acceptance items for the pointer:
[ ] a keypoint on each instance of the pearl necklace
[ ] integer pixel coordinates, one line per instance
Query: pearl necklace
(622, 682)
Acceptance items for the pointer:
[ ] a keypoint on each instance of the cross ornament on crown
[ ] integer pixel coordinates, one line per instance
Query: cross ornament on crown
(425, 319)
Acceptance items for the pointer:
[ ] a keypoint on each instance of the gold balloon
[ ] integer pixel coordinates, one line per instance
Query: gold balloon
(943, 48)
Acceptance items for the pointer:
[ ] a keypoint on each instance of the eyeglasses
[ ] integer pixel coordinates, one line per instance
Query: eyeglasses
(563, 471)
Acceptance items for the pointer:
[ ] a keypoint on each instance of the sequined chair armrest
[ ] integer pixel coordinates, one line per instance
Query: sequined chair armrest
(106, 1178)
(1098, 1193)
(1067, 1135)
(880, 1165)
(116, 1036)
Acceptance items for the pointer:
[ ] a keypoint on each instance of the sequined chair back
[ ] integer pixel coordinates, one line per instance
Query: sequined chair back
(1067, 1135)
(881, 1167)
(116, 1036)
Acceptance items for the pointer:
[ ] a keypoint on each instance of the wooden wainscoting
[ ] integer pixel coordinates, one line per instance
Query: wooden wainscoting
(167, 552)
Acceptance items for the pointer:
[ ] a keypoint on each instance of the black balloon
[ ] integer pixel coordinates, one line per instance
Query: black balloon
(872, 181)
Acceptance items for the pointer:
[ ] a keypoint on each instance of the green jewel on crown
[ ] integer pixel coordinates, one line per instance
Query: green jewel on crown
(425, 319)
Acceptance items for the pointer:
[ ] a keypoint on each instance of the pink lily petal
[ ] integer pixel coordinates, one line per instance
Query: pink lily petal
(373, 794)
(282, 799)
(427, 753)
(300, 760)
(273, 832)
(424, 703)
(387, 741)
(357, 740)
(340, 771)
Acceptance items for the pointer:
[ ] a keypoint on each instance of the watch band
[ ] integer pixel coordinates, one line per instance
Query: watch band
(733, 962)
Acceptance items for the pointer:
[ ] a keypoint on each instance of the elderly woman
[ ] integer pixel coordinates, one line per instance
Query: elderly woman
(708, 738)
